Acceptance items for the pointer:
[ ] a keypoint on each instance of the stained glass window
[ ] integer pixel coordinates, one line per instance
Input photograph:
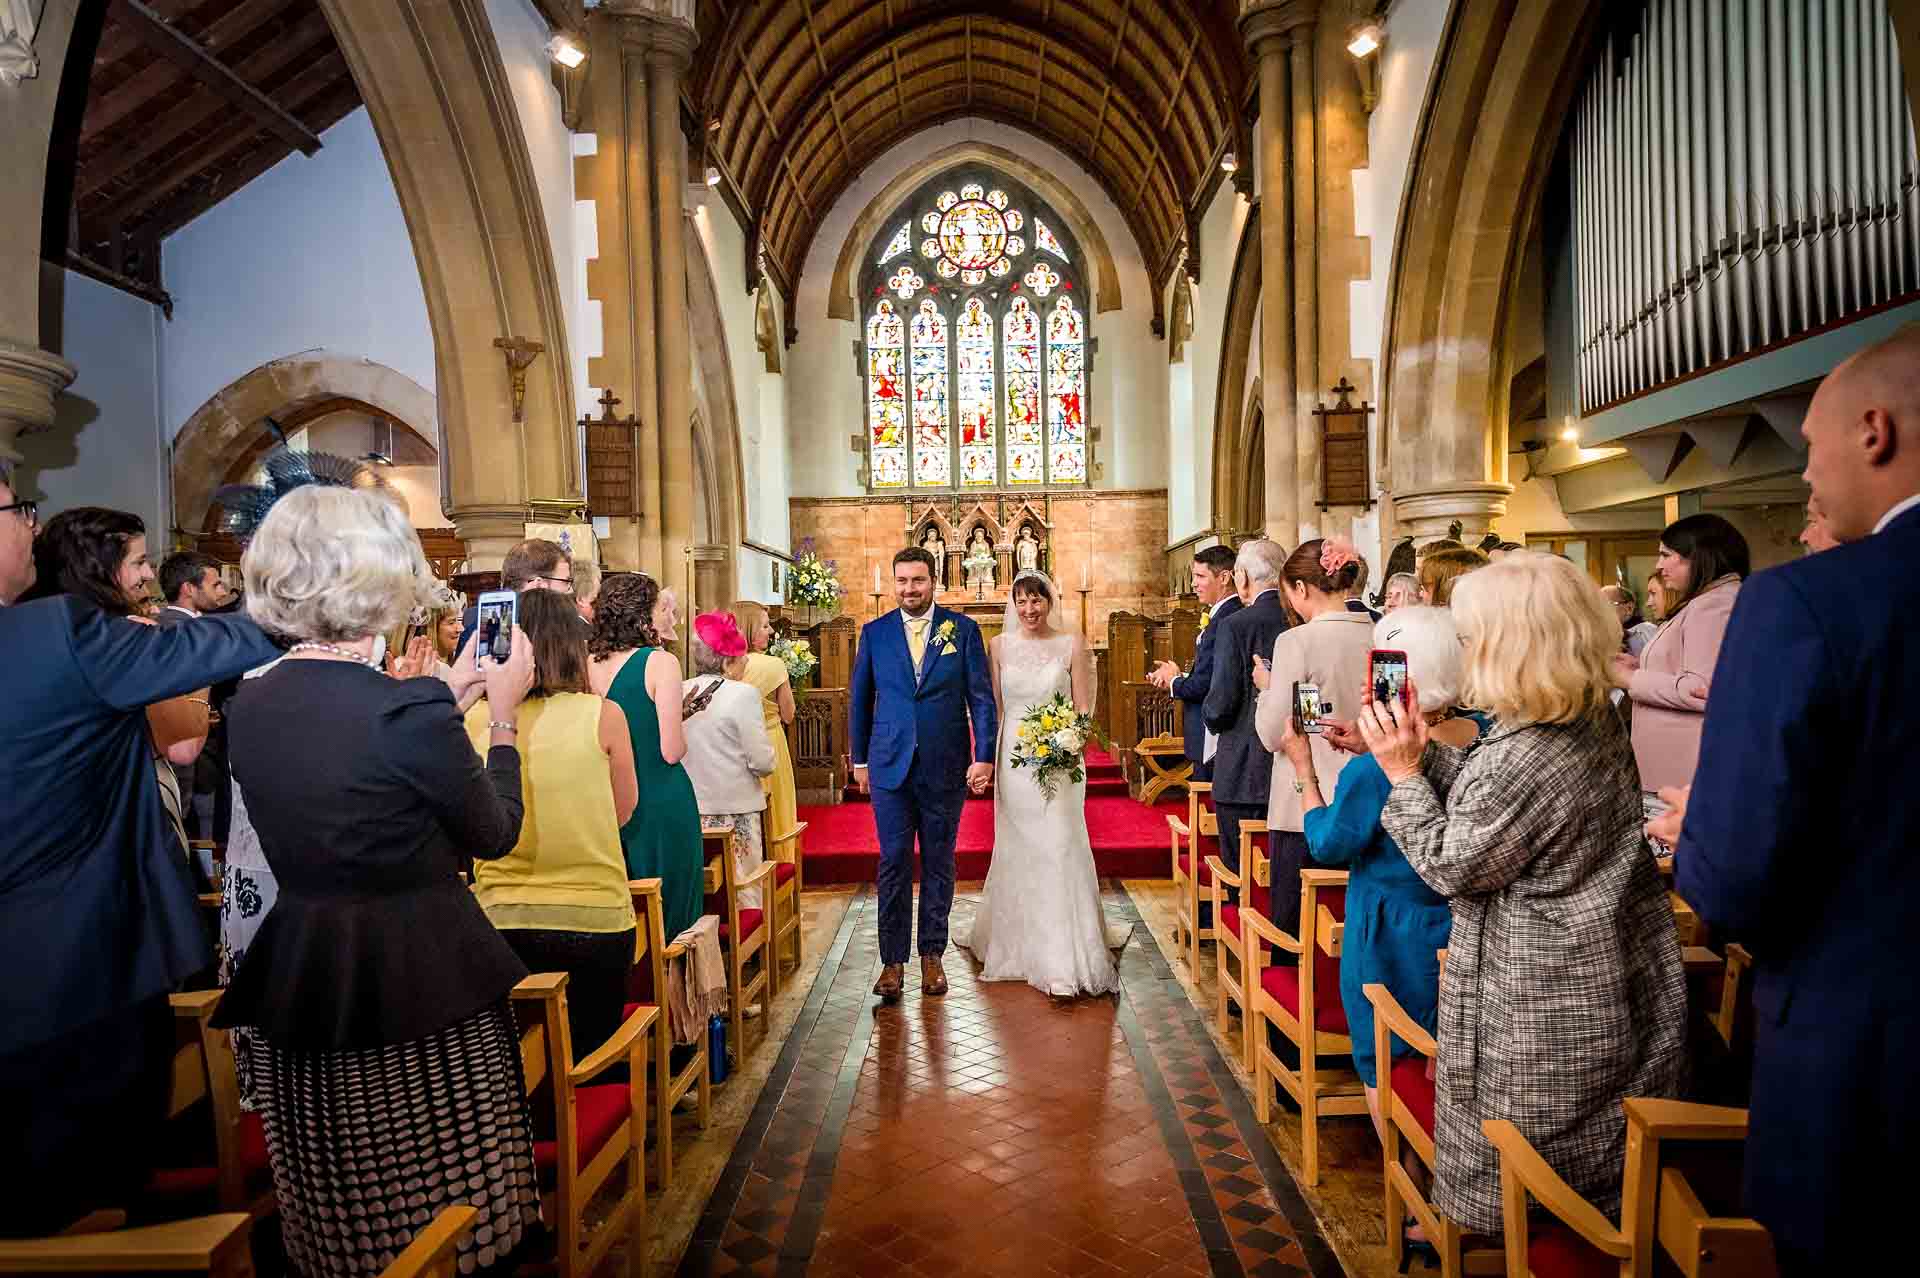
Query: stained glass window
(902, 241)
(887, 446)
(1043, 238)
(973, 342)
(932, 433)
(1020, 351)
(1066, 394)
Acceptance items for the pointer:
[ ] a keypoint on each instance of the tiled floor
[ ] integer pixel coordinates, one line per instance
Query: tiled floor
(996, 1131)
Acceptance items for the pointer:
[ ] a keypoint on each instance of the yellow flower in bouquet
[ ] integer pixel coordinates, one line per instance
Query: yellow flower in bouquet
(1051, 739)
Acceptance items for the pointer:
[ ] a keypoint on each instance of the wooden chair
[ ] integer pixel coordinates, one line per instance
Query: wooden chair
(217, 1245)
(1660, 1208)
(1303, 1002)
(651, 956)
(203, 1070)
(1189, 872)
(1156, 777)
(597, 1128)
(745, 933)
(1686, 921)
(431, 1253)
(784, 852)
(1229, 932)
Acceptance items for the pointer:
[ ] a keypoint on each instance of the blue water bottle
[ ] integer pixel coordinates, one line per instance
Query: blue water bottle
(717, 1049)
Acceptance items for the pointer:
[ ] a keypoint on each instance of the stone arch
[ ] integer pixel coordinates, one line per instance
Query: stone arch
(230, 431)
(718, 470)
(843, 305)
(1237, 416)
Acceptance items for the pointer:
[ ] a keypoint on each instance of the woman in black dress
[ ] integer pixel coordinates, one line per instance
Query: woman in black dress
(385, 1060)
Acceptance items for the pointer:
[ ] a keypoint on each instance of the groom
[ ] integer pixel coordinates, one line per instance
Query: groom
(919, 676)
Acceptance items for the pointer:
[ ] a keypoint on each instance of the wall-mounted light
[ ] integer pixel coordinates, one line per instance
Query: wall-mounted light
(713, 176)
(1365, 39)
(566, 50)
(1229, 163)
(1570, 434)
(379, 443)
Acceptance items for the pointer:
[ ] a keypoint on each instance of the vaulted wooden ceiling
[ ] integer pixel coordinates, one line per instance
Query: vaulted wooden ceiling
(800, 95)
(188, 101)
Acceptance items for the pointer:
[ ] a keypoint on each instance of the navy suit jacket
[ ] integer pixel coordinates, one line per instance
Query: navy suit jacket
(1800, 842)
(1242, 767)
(894, 719)
(1192, 686)
(97, 911)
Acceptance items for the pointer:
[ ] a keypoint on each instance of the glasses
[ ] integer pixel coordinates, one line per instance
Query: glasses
(29, 511)
(565, 583)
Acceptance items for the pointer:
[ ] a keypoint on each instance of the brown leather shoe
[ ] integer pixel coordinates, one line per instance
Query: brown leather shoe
(933, 977)
(892, 976)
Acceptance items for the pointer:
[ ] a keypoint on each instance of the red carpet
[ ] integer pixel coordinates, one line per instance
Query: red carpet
(1129, 838)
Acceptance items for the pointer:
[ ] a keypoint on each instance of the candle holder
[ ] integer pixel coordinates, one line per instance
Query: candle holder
(1084, 592)
(875, 596)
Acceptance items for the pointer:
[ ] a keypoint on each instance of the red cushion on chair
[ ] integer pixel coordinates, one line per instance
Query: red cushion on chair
(597, 1115)
(1283, 983)
(1206, 871)
(749, 924)
(1555, 1251)
(1414, 1089)
(181, 1182)
(783, 872)
(1229, 921)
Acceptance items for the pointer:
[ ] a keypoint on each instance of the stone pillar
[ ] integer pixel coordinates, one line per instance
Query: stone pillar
(1304, 108)
(29, 379)
(1268, 27)
(667, 61)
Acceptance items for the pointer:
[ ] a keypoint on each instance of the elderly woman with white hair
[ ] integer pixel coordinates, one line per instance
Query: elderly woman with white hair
(728, 749)
(386, 1065)
(1563, 991)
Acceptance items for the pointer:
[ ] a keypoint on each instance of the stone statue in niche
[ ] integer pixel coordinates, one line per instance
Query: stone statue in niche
(934, 544)
(1026, 551)
(979, 563)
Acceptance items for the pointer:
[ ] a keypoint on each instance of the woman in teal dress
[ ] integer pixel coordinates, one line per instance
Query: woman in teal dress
(632, 619)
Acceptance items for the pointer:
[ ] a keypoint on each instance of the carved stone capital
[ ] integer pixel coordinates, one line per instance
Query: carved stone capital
(490, 532)
(1427, 513)
(660, 30)
(29, 380)
(1268, 26)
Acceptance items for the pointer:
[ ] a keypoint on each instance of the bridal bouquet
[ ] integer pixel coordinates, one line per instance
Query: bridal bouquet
(1052, 740)
(797, 656)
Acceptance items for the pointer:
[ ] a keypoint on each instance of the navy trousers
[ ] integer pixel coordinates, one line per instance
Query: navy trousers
(926, 808)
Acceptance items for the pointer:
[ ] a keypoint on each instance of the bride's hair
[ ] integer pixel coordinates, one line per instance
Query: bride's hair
(1032, 583)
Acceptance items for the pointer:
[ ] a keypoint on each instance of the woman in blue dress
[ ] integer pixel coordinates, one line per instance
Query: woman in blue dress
(1395, 923)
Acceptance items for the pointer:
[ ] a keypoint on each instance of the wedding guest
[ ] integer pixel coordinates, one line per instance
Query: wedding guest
(1501, 549)
(1395, 923)
(560, 898)
(190, 583)
(1437, 545)
(1799, 834)
(1636, 632)
(443, 627)
(633, 621)
(376, 989)
(1563, 991)
(586, 589)
(1439, 571)
(1242, 766)
(729, 752)
(1328, 648)
(1816, 536)
(1656, 601)
(1403, 590)
(768, 676)
(1213, 586)
(86, 1036)
(534, 564)
(1703, 560)
(1357, 601)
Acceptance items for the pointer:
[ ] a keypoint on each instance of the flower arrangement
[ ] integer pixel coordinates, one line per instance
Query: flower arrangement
(812, 582)
(1052, 740)
(797, 656)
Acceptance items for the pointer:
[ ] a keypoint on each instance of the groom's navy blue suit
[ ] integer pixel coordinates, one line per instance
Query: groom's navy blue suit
(909, 729)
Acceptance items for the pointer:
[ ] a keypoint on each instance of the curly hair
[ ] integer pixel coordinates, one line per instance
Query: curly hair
(79, 552)
(623, 615)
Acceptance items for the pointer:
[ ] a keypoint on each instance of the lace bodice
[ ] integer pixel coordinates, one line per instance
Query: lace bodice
(1031, 670)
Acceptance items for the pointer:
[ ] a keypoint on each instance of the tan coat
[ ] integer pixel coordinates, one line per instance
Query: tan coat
(1681, 658)
(1331, 652)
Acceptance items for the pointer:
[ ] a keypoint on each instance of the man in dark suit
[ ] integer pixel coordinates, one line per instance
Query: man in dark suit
(534, 564)
(1800, 834)
(1213, 583)
(98, 920)
(1242, 767)
(191, 583)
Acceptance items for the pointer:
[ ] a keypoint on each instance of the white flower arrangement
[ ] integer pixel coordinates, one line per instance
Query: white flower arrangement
(1052, 740)
(812, 582)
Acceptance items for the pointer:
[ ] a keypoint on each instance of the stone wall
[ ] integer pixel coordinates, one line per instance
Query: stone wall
(1114, 542)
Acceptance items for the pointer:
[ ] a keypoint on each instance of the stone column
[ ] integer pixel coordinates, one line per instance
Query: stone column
(29, 379)
(1304, 110)
(1268, 27)
(667, 61)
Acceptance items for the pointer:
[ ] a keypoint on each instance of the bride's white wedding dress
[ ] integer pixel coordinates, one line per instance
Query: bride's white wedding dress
(1040, 919)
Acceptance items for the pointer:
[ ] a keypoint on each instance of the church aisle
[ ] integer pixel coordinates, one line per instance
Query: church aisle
(994, 1132)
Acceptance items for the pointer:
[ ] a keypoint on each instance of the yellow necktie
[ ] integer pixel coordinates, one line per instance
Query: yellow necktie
(917, 639)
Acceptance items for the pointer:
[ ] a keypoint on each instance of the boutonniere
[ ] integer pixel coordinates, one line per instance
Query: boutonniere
(944, 637)
(1206, 619)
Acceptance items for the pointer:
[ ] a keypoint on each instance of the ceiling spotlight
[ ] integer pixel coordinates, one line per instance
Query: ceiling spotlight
(567, 51)
(1229, 163)
(1365, 39)
(713, 176)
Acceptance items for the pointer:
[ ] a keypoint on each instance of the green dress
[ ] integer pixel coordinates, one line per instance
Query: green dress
(662, 838)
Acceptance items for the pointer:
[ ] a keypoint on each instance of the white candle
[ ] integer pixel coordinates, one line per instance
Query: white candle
(876, 579)
(1083, 575)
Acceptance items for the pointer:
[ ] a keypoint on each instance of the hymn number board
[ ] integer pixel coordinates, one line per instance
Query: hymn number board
(610, 460)
(1344, 480)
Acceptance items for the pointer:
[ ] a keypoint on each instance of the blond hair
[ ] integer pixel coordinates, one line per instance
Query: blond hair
(1540, 640)
(336, 564)
(749, 616)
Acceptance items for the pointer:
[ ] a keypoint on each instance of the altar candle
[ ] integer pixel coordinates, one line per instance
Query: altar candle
(876, 579)
(1084, 585)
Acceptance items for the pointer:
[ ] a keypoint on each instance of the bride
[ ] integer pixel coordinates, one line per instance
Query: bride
(1040, 918)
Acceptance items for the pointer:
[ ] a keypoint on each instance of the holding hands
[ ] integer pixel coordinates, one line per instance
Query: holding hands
(1396, 734)
(979, 777)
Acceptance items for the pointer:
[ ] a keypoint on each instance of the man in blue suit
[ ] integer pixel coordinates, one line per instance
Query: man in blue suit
(919, 677)
(1213, 583)
(1800, 835)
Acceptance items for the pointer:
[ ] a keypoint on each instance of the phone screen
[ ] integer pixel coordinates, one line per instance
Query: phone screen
(1389, 675)
(494, 625)
(1306, 706)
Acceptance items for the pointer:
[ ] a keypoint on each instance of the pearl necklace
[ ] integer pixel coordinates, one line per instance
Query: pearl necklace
(314, 645)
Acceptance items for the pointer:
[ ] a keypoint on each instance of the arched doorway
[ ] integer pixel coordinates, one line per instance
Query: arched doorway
(1239, 424)
(719, 491)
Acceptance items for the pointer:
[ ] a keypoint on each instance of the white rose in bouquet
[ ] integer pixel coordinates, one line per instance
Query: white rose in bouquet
(1069, 740)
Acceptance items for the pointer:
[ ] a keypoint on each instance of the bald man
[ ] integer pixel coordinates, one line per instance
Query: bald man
(1801, 837)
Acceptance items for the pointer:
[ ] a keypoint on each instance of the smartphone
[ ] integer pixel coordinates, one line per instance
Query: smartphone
(497, 615)
(1387, 672)
(1306, 706)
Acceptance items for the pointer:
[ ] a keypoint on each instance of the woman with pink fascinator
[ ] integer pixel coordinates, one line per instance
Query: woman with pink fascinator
(1328, 648)
(728, 749)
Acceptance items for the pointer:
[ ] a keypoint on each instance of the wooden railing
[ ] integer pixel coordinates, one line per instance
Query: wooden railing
(1141, 711)
(817, 740)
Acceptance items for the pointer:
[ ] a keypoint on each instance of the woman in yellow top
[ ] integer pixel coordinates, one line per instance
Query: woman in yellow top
(768, 675)
(560, 898)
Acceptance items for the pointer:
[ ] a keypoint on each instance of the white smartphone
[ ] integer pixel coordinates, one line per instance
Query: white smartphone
(497, 615)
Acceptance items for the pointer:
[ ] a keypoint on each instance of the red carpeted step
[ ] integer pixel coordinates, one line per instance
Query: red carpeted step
(1104, 779)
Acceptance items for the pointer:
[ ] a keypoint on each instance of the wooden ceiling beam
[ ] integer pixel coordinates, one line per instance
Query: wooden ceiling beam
(820, 59)
(192, 56)
(118, 40)
(1160, 134)
(107, 107)
(1040, 63)
(783, 162)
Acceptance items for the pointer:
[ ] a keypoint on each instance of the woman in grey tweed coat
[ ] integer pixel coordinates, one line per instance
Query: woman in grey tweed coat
(1563, 991)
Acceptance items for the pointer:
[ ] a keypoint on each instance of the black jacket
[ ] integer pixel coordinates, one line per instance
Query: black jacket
(1242, 767)
(1192, 686)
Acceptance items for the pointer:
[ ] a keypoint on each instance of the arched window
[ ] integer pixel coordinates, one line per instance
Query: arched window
(977, 352)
